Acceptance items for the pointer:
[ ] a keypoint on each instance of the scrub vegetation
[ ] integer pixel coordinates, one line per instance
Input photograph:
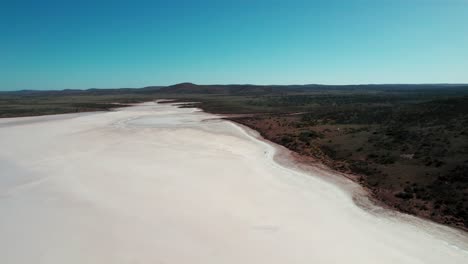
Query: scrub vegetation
(408, 144)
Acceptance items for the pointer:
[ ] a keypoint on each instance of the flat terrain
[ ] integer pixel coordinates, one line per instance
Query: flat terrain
(407, 144)
(413, 156)
(159, 184)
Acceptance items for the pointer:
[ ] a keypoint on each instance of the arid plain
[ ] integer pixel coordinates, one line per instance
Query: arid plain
(155, 183)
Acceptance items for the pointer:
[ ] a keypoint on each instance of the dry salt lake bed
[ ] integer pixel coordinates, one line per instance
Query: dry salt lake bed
(155, 183)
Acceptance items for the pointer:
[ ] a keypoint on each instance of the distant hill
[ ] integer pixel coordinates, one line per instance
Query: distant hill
(190, 88)
(241, 89)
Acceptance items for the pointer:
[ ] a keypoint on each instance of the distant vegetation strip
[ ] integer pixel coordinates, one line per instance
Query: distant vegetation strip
(407, 143)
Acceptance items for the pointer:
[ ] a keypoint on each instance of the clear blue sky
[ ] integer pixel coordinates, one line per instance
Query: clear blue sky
(82, 44)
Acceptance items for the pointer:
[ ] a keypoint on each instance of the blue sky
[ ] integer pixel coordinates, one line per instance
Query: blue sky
(84, 44)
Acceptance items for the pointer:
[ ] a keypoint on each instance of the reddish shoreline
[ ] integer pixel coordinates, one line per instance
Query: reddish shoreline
(381, 197)
(310, 163)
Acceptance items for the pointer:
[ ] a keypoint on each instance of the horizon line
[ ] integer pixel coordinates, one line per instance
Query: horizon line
(227, 84)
